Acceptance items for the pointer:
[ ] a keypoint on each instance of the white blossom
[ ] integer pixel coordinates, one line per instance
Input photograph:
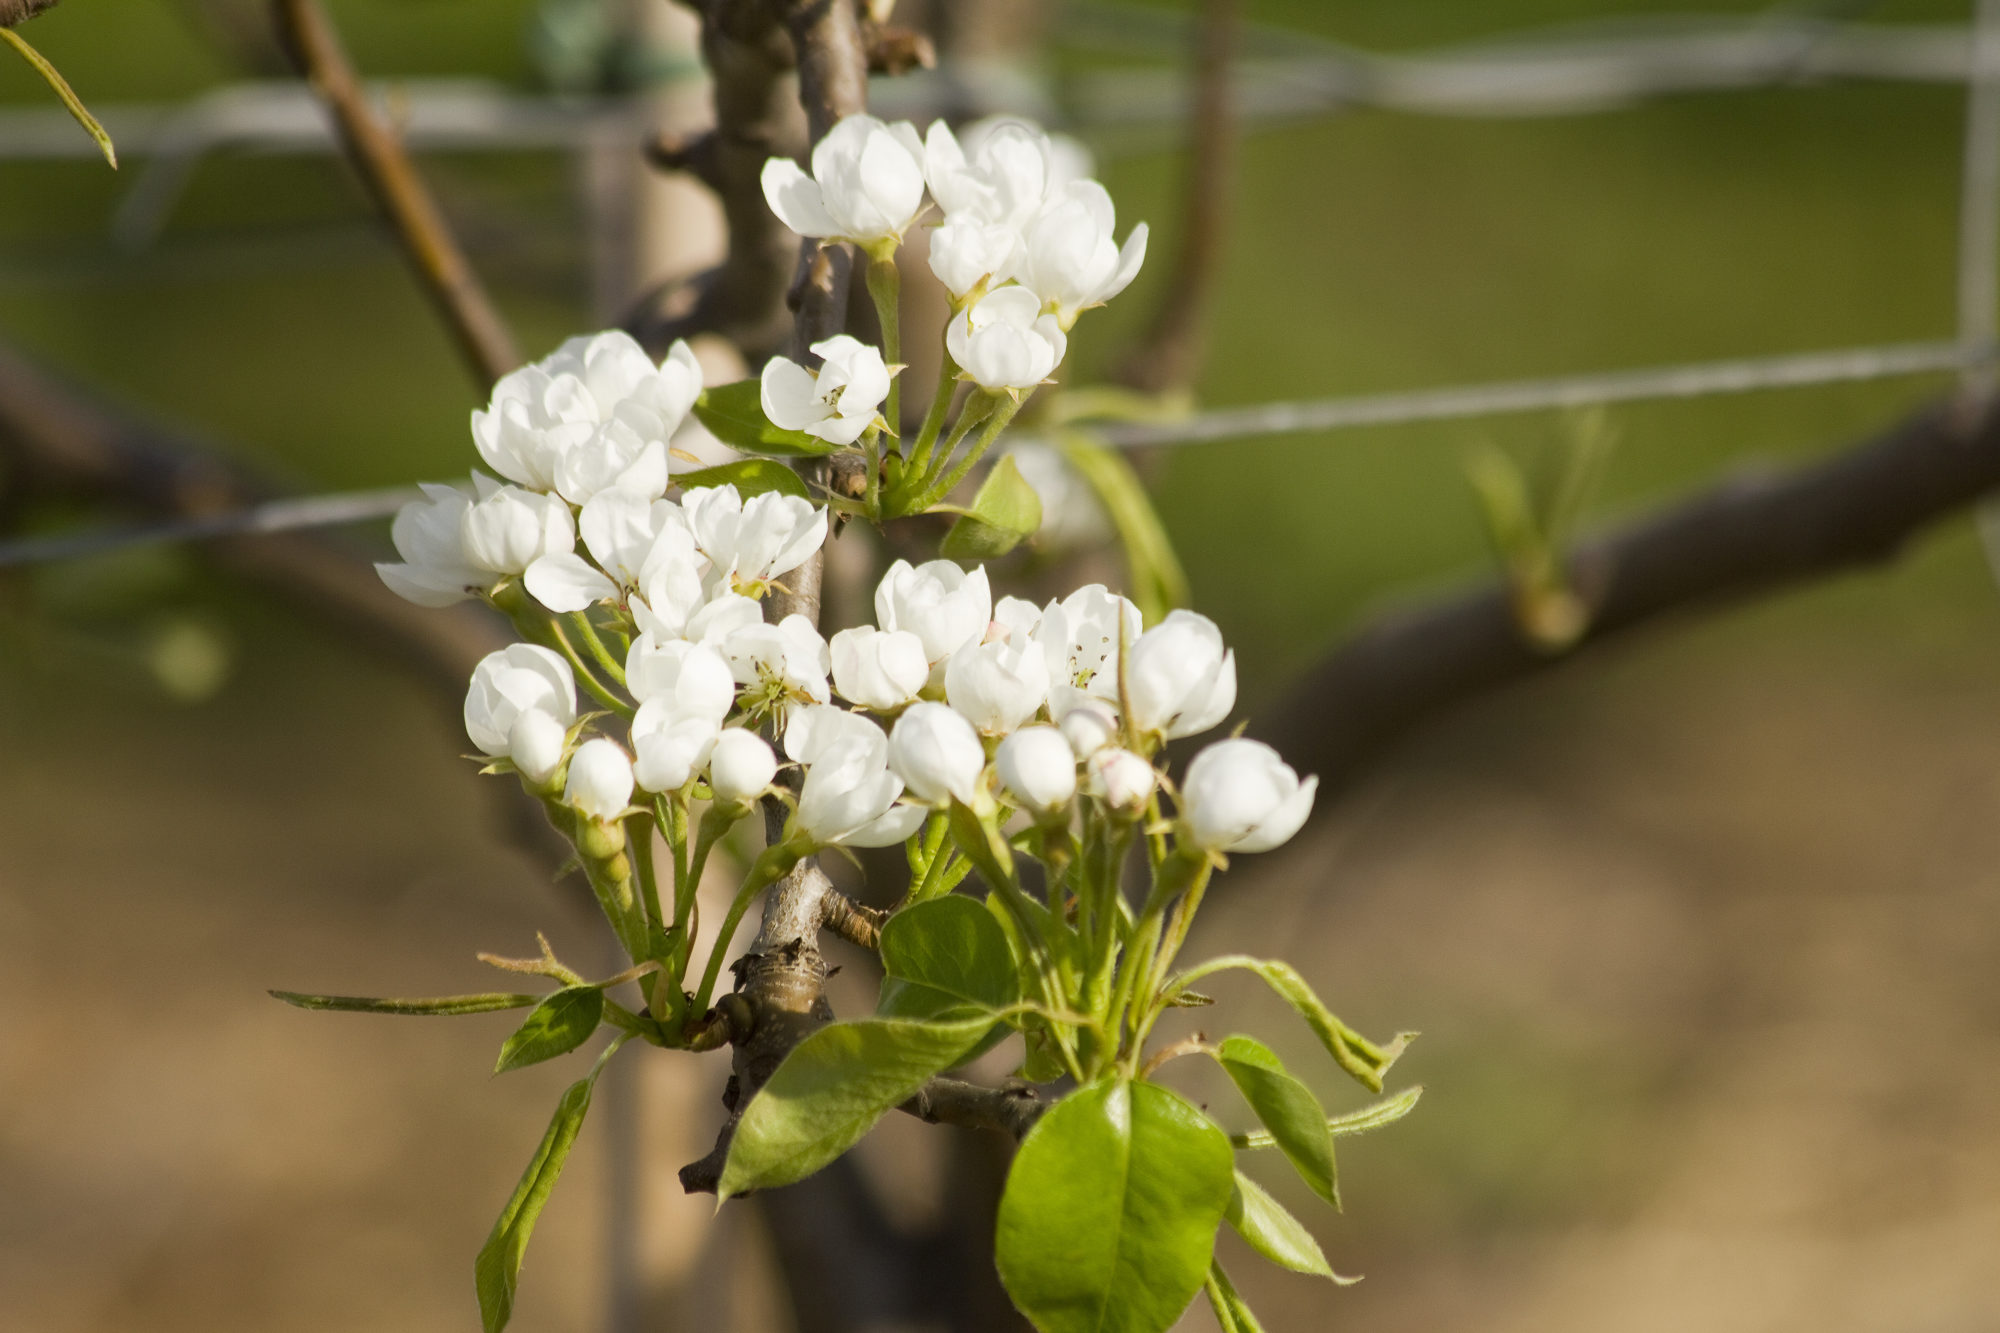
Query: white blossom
(1004, 179)
(614, 456)
(430, 536)
(536, 743)
(687, 679)
(1121, 779)
(751, 543)
(542, 413)
(1087, 724)
(1239, 796)
(1003, 340)
(600, 779)
(1181, 680)
(1069, 258)
(1037, 766)
(997, 686)
(878, 668)
(721, 617)
(938, 602)
(741, 765)
(866, 186)
(789, 655)
(624, 533)
(668, 748)
(965, 252)
(937, 754)
(836, 403)
(1079, 638)
(510, 528)
(520, 678)
(813, 729)
(849, 797)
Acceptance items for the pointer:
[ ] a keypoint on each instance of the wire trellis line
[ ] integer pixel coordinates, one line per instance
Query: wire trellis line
(1694, 380)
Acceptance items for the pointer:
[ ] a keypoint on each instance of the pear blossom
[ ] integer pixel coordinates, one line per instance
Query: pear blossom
(687, 679)
(1181, 680)
(937, 754)
(1005, 177)
(669, 748)
(1239, 796)
(1079, 636)
(429, 535)
(753, 542)
(1003, 340)
(866, 186)
(1037, 767)
(813, 729)
(540, 413)
(1069, 258)
(937, 601)
(536, 743)
(516, 680)
(1121, 779)
(509, 529)
(998, 685)
(849, 797)
(965, 252)
(877, 668)
(600, 779)
(625, 534)
(1087, 724)
(836, 403)
(718, 620)
(614, 456)
(741, 765)
(789, 658)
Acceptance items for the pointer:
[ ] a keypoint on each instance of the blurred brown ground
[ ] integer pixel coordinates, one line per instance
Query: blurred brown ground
(1703, 933)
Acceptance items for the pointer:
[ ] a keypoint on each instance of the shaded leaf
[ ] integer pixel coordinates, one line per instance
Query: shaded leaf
(1005, 512)
(497, 1271)
(1274, 1233)
(446, 1004)
(1288, 1109)
(947, 959)
(1108, 1221)
(560, 1024)
(1231, 1312)
(750, 476)
(734, 414)
(832, 1089)
(64, 93)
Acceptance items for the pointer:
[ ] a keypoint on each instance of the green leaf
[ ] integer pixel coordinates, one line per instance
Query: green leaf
(497, 1271)
(1230, 1310)
(832, 1089)
(750, 476)
(559, 1025)
(980, 842)
(1360, 1057)
(71, 102)
(447, 1004)
(1109, 1216)
(1274, 1233)
(946, 958)
(1159, 584)
(735, 414)
(1004, 513)
(1372, 1116)
(1288, 1109)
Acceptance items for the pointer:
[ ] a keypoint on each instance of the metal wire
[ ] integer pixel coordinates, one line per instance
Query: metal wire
(311, 511)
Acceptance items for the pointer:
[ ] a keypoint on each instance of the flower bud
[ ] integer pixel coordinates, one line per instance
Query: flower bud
(1038, 768)
(1180, 678)
(1121, 779)
(741, 766)
(1003, 341)
(600, 779)
(1088, 725)
(937, 754)
(1239, 796)
(998, 686)
(879, 669)
(520, 678)
(669, 748)
(691, 679)
(866, 186)
(938, 602)
(535, 743)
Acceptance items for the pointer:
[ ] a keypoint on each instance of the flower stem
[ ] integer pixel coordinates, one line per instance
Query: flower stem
(769, 868)
(584, 675)
(885, 285)
(920, 457)
(603, 655)
(1003, 412)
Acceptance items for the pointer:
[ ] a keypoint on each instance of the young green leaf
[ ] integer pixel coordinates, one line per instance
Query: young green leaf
(1361, 1058)
(1108, 1220)
(1158, 582)
(560, 1024)
(1287, 1108)
(1372, 1116)
(1274, 1233)
(1005, 512)
(497, 1271)
(446, 1004)
(64, 93)
(734, 413)
(1230, 1310)
(832, 1089)
(750, 476)
(946, 956)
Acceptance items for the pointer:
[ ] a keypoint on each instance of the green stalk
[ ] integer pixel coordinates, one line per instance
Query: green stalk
(768, 869)
(918, 480)
(920, 456)
(885, 284)
(640, 833)
(1003, 413)
(603, 655)
(584, 676)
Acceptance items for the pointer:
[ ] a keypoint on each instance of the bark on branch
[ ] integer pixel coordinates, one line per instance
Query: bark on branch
(1759, 532)
(20, 11)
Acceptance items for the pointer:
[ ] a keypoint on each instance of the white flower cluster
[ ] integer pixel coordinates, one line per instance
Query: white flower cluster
(1025, 246)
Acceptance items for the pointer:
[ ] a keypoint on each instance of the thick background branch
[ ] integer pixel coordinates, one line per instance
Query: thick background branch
(20, 11)
(1756, 533)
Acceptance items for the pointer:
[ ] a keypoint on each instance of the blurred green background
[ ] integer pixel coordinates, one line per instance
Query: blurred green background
(1765, 843)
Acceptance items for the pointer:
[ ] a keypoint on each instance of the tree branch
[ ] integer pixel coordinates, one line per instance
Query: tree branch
(20, 11)
(378, 155)
(1757, 533)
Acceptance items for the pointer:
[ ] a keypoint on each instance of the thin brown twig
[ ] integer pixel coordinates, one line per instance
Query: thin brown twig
(385, 167)
(20, 11)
